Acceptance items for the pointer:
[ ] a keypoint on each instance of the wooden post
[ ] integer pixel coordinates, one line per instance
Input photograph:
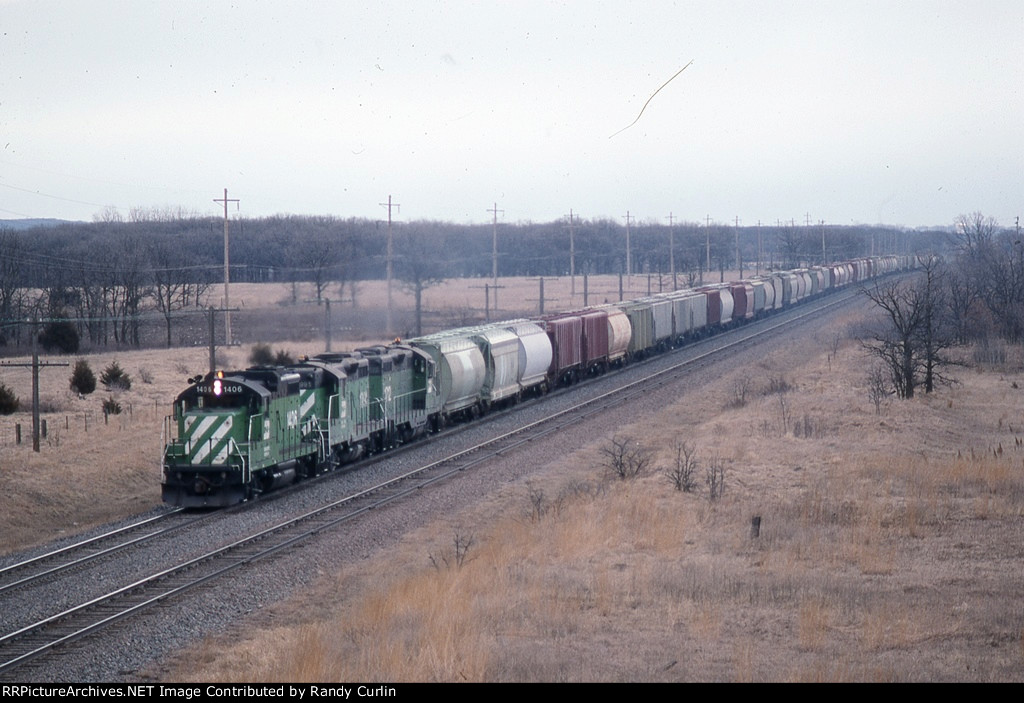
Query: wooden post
(35, 385)
(327, 308)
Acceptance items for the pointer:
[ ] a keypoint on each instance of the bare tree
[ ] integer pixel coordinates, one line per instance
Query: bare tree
(936, 335)
(999, 271)
(683, 471)
(11, 280)
(318, 256)
(962, 298)
(456, 558)
(715, 478)
(915, 333)
(418, 265)
(791, 244)
(176, 283)
(878, 387)
(973, 234)
(895, 342)
(129, 280)
(626, 458)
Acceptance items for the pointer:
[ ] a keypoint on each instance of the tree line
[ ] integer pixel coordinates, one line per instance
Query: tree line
(970, 291)
(105, 277)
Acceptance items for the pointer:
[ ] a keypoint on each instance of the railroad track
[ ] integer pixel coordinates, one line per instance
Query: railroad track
(29, 571)
(29, 643)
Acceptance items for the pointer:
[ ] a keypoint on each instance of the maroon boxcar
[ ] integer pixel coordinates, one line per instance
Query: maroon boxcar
(595, 340)
(714, 306)
(743, 300)
(566, 334)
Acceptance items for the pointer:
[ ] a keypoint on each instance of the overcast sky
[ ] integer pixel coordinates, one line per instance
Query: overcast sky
(905, 113)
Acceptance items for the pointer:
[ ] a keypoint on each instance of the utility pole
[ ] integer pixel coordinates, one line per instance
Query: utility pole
(739, 259)
(227, 265)
(823, 259)
(494, 253)
(212, 334)
(629, 257)
(327, 324)
(572, 255)
(672, 250)
(35, 365)
(760, 248)
(390, 258)
(707, 242)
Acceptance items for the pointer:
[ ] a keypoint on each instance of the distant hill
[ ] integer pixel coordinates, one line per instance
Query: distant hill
(32, 222)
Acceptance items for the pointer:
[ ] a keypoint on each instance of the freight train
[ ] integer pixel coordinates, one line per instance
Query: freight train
(237, 434)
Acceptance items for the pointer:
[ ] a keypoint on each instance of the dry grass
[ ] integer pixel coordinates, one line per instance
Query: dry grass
(889, 546)
(886, 553)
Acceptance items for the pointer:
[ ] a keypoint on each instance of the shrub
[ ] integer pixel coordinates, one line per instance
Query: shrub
(715, 477)
(111, 407)
(114, 377)
(777, 384)
(83, 380)
(283, 358)
(8, 401)
(52, 404)
(59, 336)
(683, 472)
(626, 458)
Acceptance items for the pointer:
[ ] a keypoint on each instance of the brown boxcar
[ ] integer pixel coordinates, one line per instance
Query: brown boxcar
(566, 334)
(595, 339)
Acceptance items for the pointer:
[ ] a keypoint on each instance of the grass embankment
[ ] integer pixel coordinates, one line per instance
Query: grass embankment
(889, 549)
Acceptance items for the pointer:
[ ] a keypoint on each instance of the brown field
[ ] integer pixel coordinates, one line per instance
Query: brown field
(890, 544)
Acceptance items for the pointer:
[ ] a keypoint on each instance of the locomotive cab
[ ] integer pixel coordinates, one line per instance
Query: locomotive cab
(237, 434)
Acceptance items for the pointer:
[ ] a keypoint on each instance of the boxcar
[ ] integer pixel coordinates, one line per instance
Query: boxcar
(566, 334)
(595, 340)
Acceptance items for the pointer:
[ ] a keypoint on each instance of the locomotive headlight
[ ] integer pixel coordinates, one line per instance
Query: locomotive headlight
(217, 387)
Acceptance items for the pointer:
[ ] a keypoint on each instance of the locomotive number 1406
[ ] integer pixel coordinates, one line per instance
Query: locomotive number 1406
(219, 388)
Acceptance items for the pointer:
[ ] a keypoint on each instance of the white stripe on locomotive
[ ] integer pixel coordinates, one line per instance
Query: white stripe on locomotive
(217, 441)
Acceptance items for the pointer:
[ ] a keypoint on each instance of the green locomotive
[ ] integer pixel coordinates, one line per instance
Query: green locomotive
(240, 433)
